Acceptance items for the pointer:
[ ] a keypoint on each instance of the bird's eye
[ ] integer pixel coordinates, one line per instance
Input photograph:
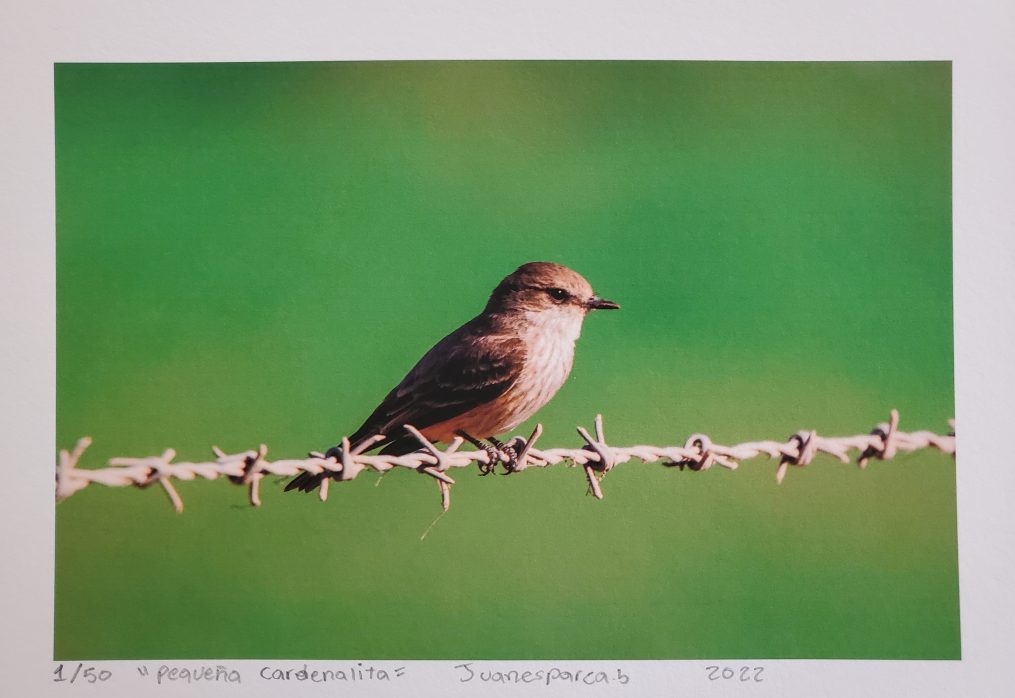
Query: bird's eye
(559, 295)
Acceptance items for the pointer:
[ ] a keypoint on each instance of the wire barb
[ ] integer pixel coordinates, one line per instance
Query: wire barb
(596, 458)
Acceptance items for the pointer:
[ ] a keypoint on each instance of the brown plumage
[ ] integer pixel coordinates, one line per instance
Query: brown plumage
(493, 372)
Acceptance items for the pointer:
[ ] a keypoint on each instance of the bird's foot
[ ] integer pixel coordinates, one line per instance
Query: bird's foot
(492, 455)
(511, 464)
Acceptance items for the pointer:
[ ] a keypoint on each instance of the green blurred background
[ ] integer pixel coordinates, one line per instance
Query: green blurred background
(256, 253)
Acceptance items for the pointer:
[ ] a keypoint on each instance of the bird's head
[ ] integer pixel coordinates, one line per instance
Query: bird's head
(545, 287)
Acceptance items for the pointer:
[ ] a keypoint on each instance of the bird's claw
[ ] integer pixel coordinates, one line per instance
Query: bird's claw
(491, 460)
(495, 454)
(511, 464)
(496, 451)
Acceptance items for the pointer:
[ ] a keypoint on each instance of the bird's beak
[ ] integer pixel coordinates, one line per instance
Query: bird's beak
(597, 303)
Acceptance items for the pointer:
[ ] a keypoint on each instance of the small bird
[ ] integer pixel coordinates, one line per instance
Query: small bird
(489, 375)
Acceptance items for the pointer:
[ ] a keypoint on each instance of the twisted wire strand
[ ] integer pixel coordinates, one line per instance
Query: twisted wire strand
(596, 458)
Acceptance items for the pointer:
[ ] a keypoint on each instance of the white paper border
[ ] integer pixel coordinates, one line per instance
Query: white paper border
(976, 36)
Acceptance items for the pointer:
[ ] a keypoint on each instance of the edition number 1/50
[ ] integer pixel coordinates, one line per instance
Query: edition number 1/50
(746, 674)
(82, 673)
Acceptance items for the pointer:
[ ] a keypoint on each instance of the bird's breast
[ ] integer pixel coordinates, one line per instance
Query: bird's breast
(549, 356)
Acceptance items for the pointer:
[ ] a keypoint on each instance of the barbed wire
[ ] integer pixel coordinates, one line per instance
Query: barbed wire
(596, 458)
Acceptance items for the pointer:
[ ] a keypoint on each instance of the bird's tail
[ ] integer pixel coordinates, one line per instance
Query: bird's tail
(306, 482)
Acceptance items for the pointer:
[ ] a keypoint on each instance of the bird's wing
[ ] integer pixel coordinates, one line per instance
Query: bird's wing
(470, 367)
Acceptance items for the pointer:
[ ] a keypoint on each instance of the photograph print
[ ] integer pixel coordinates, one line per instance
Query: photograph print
(634, 256)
